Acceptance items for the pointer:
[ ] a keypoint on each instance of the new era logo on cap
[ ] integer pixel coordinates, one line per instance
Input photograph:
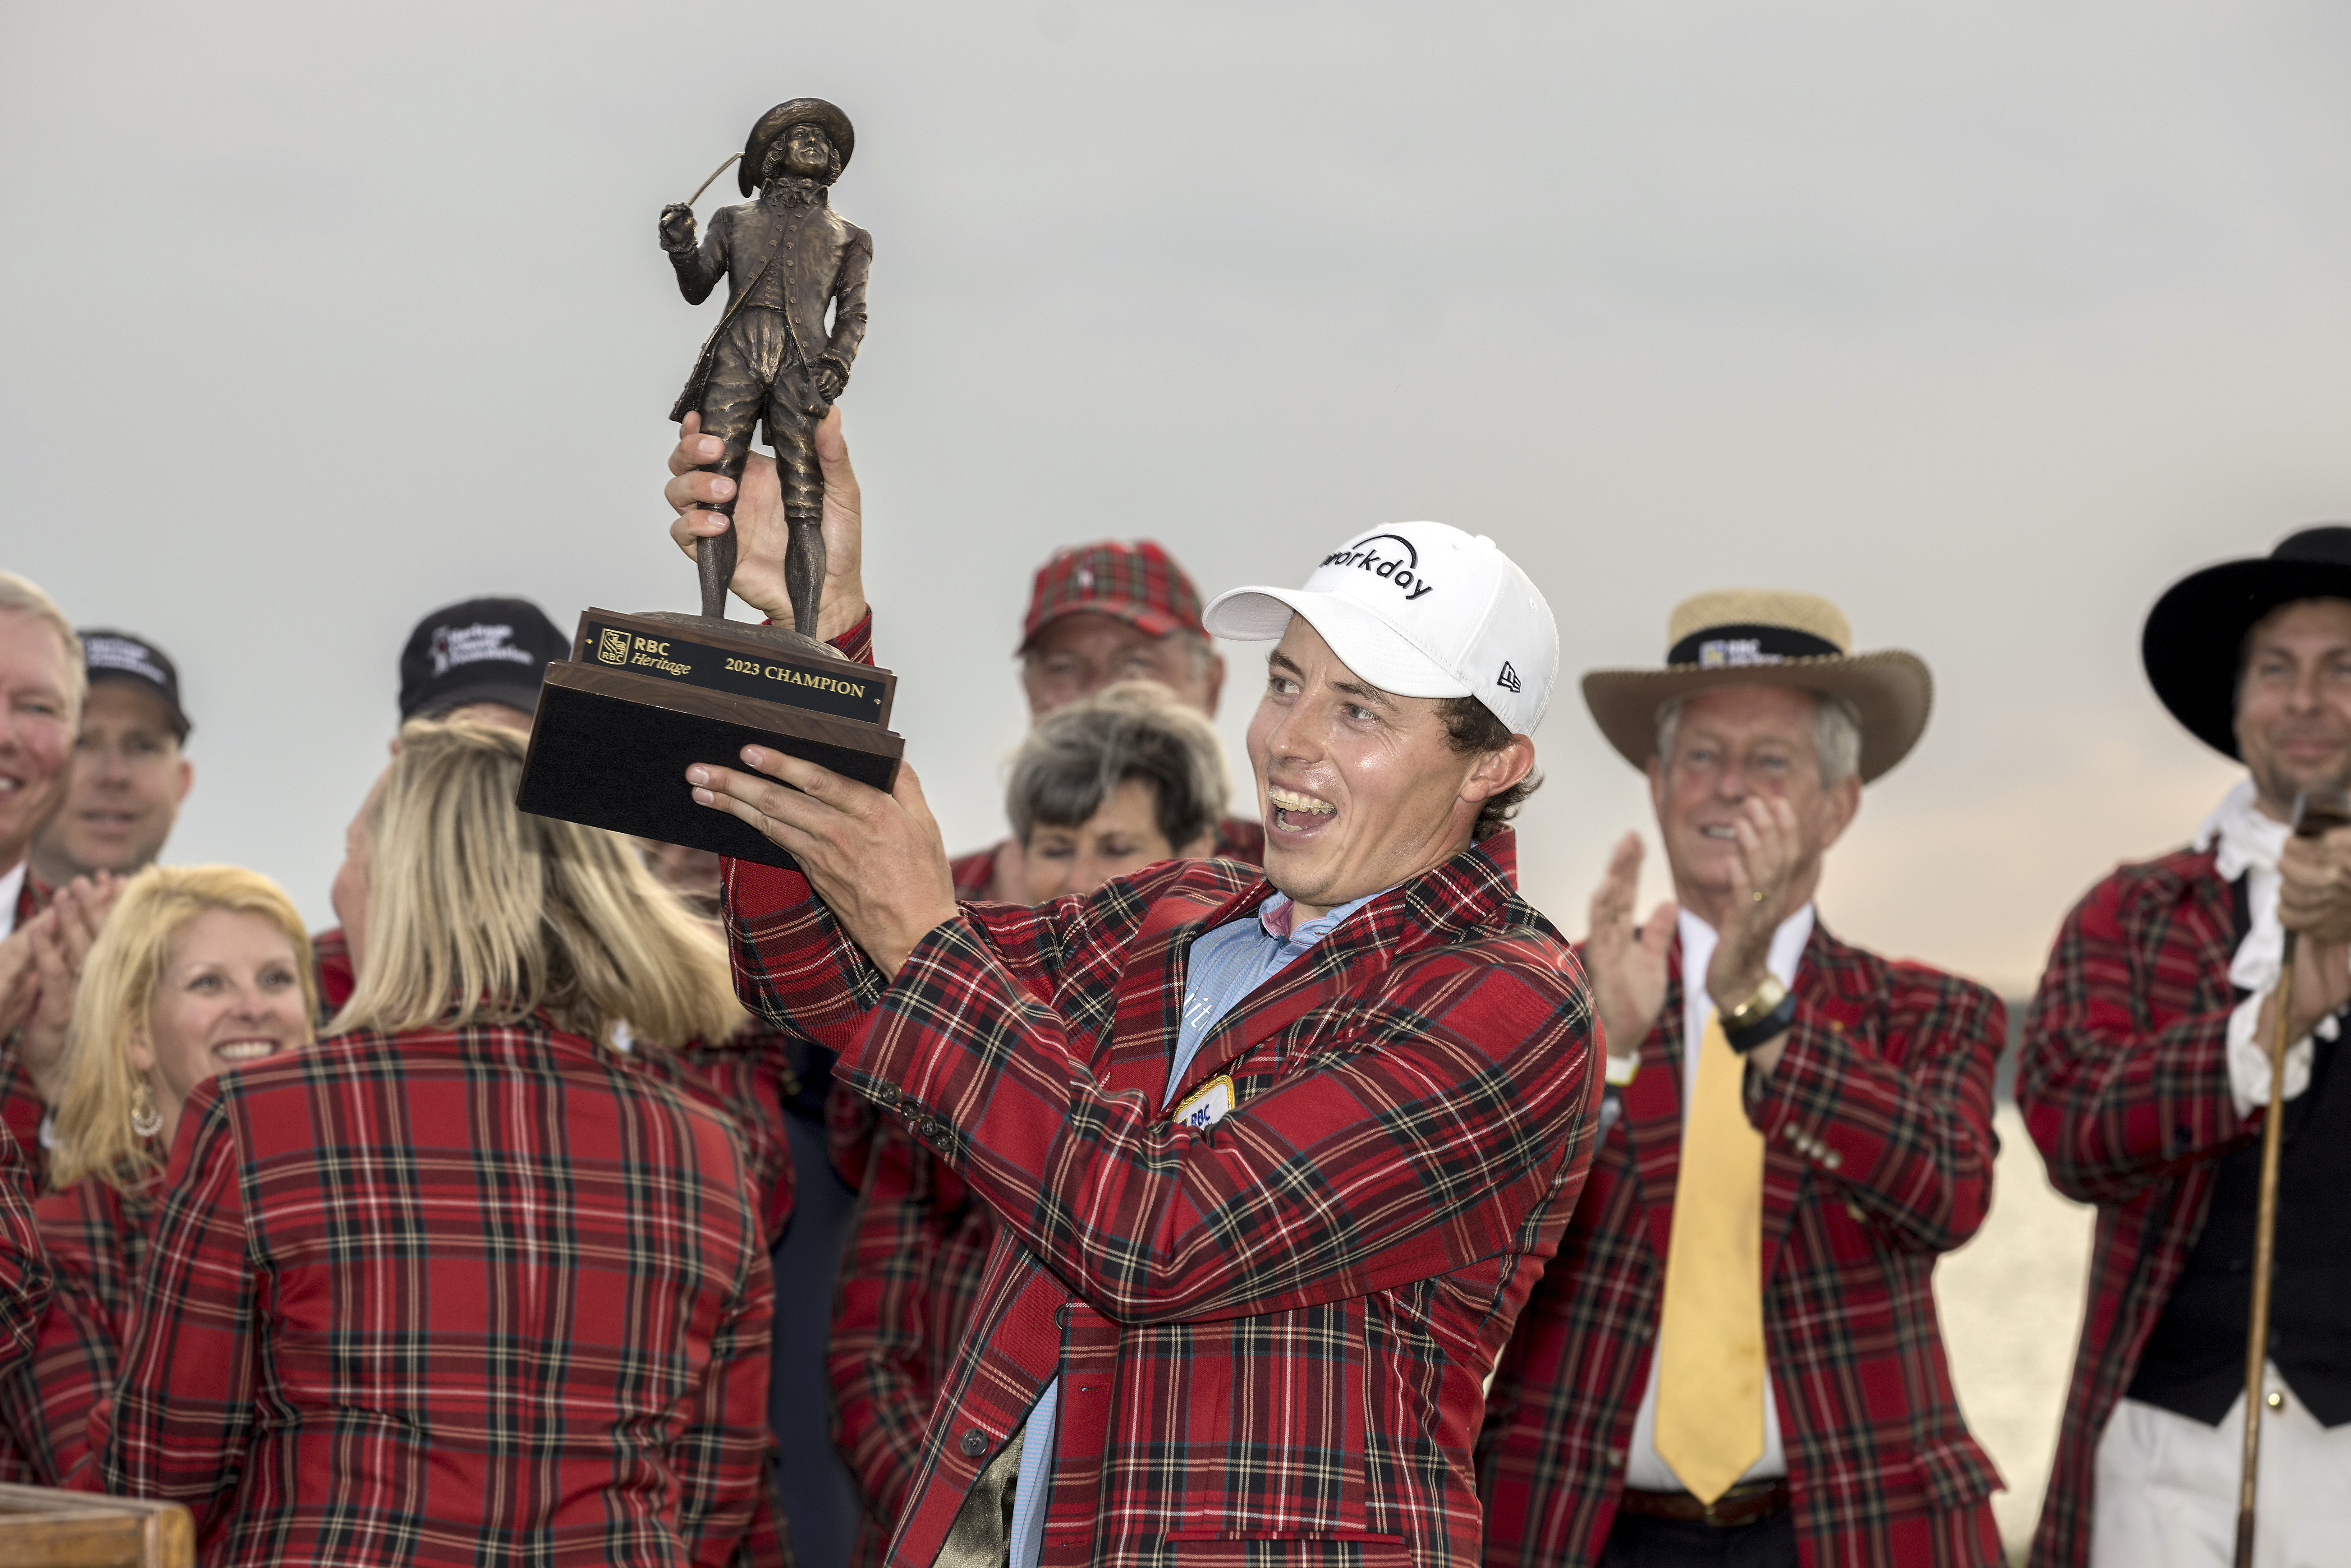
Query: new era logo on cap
(1421, 609)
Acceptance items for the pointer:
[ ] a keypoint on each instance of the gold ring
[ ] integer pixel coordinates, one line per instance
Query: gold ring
(1759, 895)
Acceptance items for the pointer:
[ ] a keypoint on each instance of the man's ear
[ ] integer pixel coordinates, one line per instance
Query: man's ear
(1498, 772)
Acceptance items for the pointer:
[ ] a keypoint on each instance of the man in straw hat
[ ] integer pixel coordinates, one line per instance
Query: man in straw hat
(1275, 1157)
(1735, 1357)
(2145, 1080)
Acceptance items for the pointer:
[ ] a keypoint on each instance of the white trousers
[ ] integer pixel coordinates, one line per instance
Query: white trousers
(2167, 1492)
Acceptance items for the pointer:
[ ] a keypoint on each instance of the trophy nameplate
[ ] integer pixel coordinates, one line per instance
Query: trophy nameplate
(645, 696)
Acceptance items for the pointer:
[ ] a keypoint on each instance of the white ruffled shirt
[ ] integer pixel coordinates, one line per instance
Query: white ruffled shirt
(2247, 844)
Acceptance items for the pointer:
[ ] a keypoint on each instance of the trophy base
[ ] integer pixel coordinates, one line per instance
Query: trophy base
(610, 746)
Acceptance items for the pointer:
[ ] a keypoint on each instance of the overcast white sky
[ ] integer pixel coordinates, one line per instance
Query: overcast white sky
(1987, 321)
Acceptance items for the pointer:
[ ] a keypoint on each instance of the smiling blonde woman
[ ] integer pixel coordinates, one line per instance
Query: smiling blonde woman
(198, 969)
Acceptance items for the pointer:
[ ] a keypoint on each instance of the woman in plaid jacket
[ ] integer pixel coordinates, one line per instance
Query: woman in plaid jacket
(464, 1279)
(197, 968)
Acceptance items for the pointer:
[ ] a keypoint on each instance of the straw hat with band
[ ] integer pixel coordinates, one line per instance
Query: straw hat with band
(2195, 636)
(1766, 637)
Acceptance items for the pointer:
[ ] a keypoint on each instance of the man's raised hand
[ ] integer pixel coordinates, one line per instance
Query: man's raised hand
(878, 860)
(1626, 963)
(761, 533)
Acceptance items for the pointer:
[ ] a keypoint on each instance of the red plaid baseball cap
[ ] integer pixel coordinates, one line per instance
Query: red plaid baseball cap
(1139, 583)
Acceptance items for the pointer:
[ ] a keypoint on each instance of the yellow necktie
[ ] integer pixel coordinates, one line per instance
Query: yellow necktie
(1710, 1332)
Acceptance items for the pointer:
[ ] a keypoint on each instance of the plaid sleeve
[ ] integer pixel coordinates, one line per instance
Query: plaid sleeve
(21, 1111)
(1366, 1167)
(721, 1458)
(749, 1079)
(879, 1356)
(25, 1281)
(2115, 1095)
(856, 644)
(1909, 1142)
(183, 1408)
(794, 965)
(47, 1402)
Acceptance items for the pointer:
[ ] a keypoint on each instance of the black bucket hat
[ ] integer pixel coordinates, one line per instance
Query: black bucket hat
(2195, 635)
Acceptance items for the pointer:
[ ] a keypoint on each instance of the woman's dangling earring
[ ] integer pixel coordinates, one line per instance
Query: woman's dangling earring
(145, 1120)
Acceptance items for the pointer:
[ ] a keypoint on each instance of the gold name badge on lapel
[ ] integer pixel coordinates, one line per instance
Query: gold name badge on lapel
(1208, 1105)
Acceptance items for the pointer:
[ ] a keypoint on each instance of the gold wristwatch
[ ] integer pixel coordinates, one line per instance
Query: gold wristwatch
(1759, 1018)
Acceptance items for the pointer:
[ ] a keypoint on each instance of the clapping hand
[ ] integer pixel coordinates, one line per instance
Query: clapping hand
(1626, 963)
(58, 942)
(1765, 892)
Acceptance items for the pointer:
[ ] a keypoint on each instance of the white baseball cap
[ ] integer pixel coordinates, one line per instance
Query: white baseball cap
(1422, 610)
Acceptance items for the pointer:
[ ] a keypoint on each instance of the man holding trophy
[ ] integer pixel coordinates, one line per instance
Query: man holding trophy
(1276, 1157)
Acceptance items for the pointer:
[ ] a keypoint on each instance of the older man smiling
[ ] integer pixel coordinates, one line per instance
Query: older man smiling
(1277, 1156)
(1735, 1358)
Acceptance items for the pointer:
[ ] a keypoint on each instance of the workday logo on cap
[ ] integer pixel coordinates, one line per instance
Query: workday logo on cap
(1422, 610)
(1364, 555)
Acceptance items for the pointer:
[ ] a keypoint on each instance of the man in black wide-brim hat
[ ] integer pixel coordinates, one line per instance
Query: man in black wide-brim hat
(789, 258)
(2146, 1079)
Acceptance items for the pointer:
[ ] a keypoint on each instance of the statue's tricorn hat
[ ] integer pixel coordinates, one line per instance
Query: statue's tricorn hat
(1751, 636)
(2195, 635)
(782, 118)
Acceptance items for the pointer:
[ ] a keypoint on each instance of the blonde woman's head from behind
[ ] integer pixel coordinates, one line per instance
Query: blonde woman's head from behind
(197, 969)
(478, 914)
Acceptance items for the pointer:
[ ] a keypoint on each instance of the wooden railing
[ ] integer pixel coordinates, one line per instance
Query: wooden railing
(44, 1529)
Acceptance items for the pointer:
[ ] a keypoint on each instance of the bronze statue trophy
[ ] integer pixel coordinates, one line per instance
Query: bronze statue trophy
(644, 695)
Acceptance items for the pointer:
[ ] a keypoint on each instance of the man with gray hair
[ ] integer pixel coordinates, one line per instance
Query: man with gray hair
(1735, 1357)
(46, 931)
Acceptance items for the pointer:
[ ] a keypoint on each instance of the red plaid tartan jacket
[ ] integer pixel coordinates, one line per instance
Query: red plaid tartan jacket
(1271, 1333)
(96, 1241)
(25, 1283)
(25, 1275)
(919, 1242)
(918, 1247)
(2123, 1083)
(21, 1107)
(1878, 1159)
(450, 1294)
